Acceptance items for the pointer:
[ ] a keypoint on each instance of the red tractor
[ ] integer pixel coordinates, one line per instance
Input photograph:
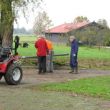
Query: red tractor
(10, 69)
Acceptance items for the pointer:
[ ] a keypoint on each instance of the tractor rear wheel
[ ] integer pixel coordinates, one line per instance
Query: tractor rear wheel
(14, 74)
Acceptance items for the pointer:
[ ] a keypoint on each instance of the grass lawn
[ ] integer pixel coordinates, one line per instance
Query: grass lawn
(28, 39)
(84, 52)
(97, 87)
(88, 57)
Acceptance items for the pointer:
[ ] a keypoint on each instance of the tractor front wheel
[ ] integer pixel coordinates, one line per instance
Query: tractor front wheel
(14, 74)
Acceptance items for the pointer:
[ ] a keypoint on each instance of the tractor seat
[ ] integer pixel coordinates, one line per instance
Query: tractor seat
(4, 54)
(3, 58)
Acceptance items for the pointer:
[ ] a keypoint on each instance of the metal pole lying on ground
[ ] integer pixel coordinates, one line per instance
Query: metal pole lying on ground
(24, 57)
(48, 67)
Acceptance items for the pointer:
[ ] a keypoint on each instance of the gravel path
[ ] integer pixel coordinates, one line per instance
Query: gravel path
(31, 76)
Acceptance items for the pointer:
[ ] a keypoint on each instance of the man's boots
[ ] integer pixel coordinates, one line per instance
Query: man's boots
(72, 71)
(76, 70)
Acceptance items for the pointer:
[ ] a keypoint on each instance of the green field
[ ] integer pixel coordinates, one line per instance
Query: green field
(84, 52)
(28, 39)
(88, 57)
(97, 87)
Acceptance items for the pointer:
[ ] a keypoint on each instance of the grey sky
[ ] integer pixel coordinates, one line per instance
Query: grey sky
(61, 11)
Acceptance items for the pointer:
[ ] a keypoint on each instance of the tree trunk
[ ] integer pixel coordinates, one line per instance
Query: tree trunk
(7, 20)
(7, 37)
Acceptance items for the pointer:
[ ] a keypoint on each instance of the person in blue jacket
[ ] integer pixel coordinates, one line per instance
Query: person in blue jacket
(73, 55)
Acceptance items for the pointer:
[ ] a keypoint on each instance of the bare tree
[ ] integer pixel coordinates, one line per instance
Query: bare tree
(42, 23)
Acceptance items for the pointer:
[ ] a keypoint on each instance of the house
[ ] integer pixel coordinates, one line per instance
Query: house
(60, 34)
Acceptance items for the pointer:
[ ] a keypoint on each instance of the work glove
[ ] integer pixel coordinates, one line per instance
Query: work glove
(74, 55)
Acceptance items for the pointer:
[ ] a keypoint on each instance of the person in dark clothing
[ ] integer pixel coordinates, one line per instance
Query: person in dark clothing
(16, 44)
(0, 40)
(73, 55)
(42, 51)
(42, 64)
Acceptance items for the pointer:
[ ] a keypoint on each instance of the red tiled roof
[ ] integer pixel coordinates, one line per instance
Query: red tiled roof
(67, 27)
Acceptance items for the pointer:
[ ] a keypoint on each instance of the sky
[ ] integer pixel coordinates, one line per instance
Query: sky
(61, 11)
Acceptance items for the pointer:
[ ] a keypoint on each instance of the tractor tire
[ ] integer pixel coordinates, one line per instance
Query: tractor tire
(14, 74)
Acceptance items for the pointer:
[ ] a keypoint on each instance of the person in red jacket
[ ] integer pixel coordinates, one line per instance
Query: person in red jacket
(42, 51)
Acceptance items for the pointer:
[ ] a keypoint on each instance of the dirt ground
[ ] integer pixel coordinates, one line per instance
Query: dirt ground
(22, 98)
(32, 77)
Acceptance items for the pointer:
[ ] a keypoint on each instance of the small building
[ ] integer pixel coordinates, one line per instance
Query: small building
(83, 31)
(59, 34)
